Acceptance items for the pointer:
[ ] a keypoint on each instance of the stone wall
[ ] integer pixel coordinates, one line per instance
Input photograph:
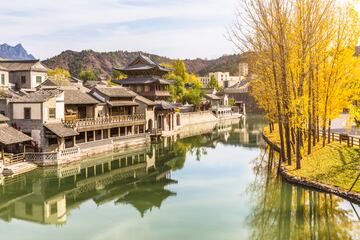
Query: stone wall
(194, 118)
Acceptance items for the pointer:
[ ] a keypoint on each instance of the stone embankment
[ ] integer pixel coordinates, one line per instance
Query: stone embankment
(351, 196)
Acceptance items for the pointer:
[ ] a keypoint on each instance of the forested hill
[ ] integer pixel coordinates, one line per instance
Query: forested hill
(102, 62)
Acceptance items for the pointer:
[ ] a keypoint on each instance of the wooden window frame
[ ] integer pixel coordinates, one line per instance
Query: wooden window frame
(50, 114)
(29, 113)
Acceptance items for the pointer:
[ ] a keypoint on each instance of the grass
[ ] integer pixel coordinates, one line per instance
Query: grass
(335, 164)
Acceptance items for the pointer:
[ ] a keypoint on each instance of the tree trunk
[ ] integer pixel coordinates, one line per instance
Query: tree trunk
(298, 147)
(329, 131)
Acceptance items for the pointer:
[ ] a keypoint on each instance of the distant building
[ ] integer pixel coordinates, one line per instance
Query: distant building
(144, 77)
(223, 78)
(23, 74)
(243, 70)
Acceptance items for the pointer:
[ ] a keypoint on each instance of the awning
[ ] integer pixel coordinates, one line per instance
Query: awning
(9, 135)
(122, 103)
(61, 130)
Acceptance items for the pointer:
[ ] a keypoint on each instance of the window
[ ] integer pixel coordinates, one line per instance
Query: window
(23, 79)
(2, 79)
(53, 208)
(28, 209)
(38, 79)
(27, 113)
(52, 113)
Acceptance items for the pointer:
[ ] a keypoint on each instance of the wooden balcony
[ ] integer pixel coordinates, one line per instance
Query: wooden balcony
(157, 93)
(89, 124)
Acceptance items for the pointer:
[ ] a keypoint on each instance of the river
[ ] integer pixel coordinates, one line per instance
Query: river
(219, 184)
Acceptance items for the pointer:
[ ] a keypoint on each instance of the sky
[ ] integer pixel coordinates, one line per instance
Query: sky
(173, 28)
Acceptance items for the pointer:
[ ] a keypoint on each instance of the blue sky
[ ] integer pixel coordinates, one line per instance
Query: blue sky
(174, 28)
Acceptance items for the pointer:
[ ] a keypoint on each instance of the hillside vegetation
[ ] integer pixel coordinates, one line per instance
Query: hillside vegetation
(102, 62)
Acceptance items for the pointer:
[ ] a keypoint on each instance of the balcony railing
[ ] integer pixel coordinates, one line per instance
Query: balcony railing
(78, 123)
(159, 93)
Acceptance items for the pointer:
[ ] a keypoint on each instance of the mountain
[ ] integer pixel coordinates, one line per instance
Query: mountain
(16, 53)
(102, 62)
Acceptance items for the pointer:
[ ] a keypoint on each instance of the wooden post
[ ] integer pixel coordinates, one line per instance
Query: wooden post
(2, 152)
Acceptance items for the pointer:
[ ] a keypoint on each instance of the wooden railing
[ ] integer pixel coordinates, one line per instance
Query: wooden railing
(350, 140)
(104, 120)
(70, 117)
(11, 159)
(336, 137)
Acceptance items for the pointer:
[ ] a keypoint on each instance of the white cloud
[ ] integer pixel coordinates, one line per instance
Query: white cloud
(46, 28)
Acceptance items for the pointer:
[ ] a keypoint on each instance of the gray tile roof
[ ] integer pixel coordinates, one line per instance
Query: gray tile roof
(145, 100)
(9, 135)
(3, 118)
(122, 103)
(212, 97)
(115, 91)
(78, 97)
(143, 81)
(165, 105)
(61, 130)
(24, 65)
(38, 96)
(143, 63)
(3, 68)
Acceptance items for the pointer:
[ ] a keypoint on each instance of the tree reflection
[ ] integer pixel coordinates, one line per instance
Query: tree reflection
(294, 212)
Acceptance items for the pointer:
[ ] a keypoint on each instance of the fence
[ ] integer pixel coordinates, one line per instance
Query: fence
(105, 120)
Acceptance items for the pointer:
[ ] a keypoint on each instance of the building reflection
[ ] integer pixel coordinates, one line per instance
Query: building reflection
(47, 196)
(141, 178)
(138, 178)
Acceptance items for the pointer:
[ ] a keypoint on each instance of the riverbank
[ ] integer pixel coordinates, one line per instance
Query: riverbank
(332, 168)
(196, 122)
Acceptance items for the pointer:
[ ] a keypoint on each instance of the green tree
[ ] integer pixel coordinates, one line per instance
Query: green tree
(88, 75)
(232, 102)
(187, 87)
(60, 76)
(117, 75)
(214, 84)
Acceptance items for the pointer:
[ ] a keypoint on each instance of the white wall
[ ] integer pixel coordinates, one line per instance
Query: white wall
(196, 118)
(33, 76)
(6, 75)
(18, 110)
(60, 107)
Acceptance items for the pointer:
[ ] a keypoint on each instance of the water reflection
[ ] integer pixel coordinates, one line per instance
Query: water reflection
(145, 179)
(285, 211)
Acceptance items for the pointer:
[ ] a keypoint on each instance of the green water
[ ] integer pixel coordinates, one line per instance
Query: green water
(217, 185)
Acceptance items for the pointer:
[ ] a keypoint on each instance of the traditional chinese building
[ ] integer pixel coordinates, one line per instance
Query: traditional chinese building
(145, 77)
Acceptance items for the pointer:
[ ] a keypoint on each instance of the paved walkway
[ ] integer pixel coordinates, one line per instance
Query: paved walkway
(340, 125)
